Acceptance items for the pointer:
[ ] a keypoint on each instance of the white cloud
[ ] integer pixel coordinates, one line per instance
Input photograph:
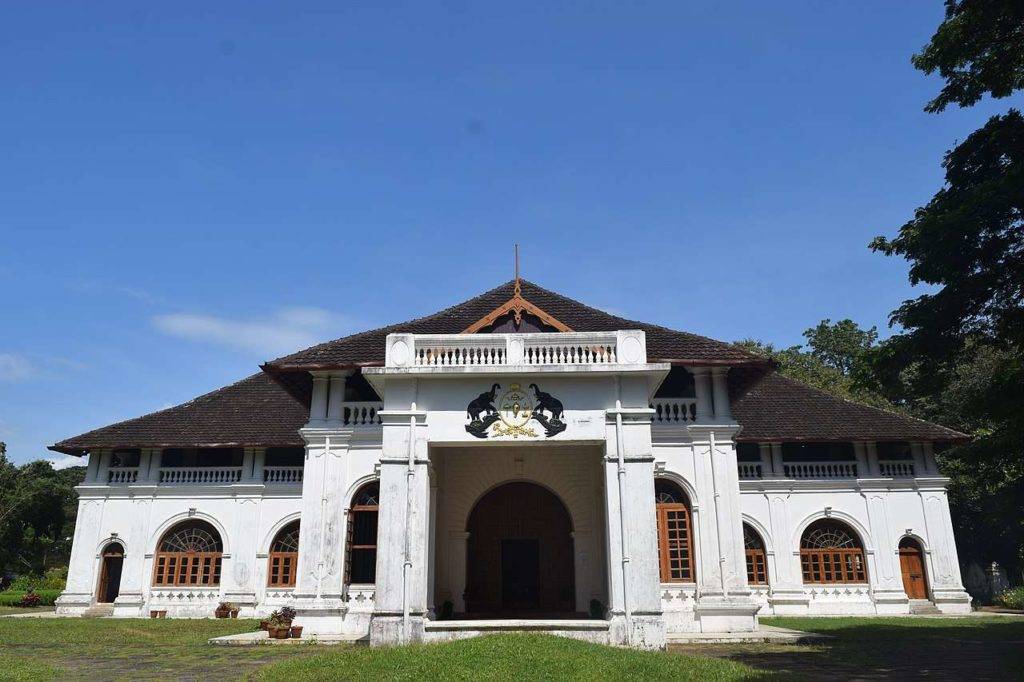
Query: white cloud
(66, 461)
(285, 331)
(15, 367)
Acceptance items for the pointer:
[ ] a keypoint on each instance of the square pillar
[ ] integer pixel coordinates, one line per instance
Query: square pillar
(724, 603)
(634, 592)
(320, 574)
(403, 546)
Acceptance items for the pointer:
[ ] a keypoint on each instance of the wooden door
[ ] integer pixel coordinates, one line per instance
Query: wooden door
(912, 568)
(110, 575)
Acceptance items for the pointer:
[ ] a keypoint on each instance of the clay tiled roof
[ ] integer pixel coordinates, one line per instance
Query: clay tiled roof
(367, 348)
(258, 411)
(771, 407)
(252, 412)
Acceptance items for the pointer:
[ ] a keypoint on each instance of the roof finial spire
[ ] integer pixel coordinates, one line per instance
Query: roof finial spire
(518, 289)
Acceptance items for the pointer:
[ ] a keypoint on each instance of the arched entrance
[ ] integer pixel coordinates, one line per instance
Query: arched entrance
(519, 555)
(110, 573)
(915, 584)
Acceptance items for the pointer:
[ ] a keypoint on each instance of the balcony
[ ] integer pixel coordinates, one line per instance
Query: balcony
(200, 475)
(122, 475)
(674, 411)
(897, 468)
(282, 474)
(820, 470)
(470, 351)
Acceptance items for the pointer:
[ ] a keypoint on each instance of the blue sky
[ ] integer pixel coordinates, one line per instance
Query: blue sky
(188, 190)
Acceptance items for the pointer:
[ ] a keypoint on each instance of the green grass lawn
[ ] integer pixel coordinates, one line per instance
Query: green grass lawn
(973, 648)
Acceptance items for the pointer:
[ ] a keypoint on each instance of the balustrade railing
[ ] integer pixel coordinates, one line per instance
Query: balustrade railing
(820, 469)
(489, 350)
(896, 468)
(122, 475)
(279, 474)
(361, 414)
(674, 410)
(750, 470)
(200, 475)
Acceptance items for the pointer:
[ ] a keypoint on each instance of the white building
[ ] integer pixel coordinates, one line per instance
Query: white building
(516, 457)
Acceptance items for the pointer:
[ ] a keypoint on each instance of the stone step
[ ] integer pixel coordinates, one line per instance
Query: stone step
(98, 611)
(923, 607)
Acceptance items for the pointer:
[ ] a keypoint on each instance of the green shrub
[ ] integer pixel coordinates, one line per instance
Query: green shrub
(53, 579)
(14, 597)
(1012, 598)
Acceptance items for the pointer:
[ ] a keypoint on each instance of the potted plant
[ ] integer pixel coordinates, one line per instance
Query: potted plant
(295, 631)
(223, 610)
(278, 627)
(288, 614)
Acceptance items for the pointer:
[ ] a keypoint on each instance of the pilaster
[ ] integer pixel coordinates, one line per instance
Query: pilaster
(401, 600)
(724, 603)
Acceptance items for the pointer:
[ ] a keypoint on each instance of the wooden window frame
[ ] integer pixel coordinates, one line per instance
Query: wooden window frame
(282, 566)
(838, 565)
(757, 558)
(665, 511)
(188, 568)
(350, 533)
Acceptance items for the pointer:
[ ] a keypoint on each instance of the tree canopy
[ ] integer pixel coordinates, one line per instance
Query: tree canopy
(976, 50)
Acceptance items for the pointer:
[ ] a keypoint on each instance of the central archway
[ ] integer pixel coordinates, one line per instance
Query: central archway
(519, 555)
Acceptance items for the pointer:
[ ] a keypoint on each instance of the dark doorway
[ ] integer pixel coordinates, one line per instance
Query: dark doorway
(519, 558)
(110, 573)
(520, 575)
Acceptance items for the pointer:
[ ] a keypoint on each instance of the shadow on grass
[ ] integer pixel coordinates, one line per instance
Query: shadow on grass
(885, 648)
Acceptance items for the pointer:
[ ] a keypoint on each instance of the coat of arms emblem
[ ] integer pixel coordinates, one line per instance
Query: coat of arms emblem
(493, 414)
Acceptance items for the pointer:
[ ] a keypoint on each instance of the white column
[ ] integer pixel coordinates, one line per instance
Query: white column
(400, 604)
(917, 452)
(92, 468)
(724, 603)
(702, 391)
(103, 467)
(764, 452)
(156, 460)
(318, 399)
(634, 587)
(258, 463)
(248, 474)
(871, 452)
(336, 399)
(778, 466)
(861, 455)
(318, 587)
(720, 390)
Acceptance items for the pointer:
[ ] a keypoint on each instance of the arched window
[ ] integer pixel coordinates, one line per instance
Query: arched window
(361, 543)
(675, 534)
(284, 557)
(830, 552)
(757, 565)
(189, 554)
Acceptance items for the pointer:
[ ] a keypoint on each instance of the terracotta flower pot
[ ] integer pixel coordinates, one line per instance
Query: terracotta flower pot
(221, 613)
(234, 613)
(278, 632)
(295, 631)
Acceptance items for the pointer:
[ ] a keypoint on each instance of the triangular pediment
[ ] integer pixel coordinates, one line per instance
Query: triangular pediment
(517, 315)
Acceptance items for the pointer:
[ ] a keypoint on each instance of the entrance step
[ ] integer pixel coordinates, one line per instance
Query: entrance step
(923, 607)
(98, 611)
(447, 630)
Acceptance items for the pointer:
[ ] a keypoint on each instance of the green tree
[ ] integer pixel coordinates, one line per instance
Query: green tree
(958, 359)
(976, 50)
